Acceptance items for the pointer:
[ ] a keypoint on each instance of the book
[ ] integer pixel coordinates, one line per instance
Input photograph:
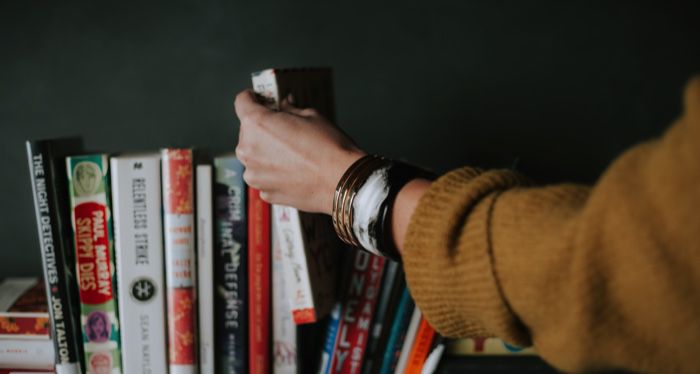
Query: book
(284, 339)
(231, 266)
(357, 312)
(421, 348)
(23, 309)
(49, 182)
(409, 339)
(89, 191)
(397, 334)
(330, 339)
(27, 353)
(178, 228)
(138, 236)
(205, 268)
(309, 244)
(486, 346)
(258, 283)
(392, 286)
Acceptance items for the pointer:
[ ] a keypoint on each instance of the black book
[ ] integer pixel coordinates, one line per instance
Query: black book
(47, 170)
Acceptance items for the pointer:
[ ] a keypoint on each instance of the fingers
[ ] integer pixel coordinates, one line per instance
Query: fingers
(247, 106)
(287, 105)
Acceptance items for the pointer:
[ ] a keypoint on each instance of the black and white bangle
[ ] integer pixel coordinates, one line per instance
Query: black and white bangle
(363, 201)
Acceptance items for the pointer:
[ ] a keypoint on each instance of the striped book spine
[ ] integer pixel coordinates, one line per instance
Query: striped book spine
(94, 250)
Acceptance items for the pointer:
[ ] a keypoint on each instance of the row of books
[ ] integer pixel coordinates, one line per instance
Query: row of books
(167, 261)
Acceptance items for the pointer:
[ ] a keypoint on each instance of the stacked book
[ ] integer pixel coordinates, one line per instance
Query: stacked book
(167, 262)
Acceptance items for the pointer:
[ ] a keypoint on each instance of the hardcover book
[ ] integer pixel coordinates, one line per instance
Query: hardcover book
(409, 339)
(26, 353)
(205, 268)
(231, 266)
(284, 339)
(53, 216)
(88, 178)
(138, 235)
(178, 227)
(357, 312)
(310, 246)
(421, 348)
(486, 346)
(23, 309)
(397, 334)
(258, 283)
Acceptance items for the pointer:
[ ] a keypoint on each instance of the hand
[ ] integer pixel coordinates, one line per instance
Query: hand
(295, 157)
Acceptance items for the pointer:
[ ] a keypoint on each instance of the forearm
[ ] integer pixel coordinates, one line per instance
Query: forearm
(404, 205)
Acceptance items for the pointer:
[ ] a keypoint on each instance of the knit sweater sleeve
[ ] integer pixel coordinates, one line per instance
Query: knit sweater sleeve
(600, 277)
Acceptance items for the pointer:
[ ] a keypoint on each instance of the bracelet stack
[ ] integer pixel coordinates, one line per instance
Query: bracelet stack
(363, 201)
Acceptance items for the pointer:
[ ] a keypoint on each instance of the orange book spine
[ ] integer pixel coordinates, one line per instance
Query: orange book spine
(421, 348)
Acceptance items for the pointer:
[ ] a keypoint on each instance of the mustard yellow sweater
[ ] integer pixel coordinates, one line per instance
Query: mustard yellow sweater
(602, 277)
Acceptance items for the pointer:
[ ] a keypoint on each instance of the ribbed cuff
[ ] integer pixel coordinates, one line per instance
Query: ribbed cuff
(448, 259)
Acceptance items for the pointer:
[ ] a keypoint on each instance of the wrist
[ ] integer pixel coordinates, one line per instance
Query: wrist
(336, 169)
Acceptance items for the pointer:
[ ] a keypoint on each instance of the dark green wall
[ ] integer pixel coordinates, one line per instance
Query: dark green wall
(563, 87)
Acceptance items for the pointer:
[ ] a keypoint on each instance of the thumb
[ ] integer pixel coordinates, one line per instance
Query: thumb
(246, 104)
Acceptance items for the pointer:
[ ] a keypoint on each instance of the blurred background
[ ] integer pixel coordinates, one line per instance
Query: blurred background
(557, 89)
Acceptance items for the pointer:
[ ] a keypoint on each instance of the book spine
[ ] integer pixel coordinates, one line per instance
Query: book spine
(259, 283)
(94, 249)
(205, 271)
(24, 326)
(27, 354)
(49, 189)
(231, 270)
(284, 331)
(391, 275)
(359, 307)
(421, 348)
(178, 201)
(486, 346)
(330, 340)
(138, 232)
(402, 319)
(409, 340)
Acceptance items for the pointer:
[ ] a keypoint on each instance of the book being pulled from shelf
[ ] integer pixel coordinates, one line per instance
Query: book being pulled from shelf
(310, 247)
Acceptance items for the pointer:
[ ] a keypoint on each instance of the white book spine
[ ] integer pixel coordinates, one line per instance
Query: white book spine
(296, 272)
(26, 354)
(284, 337)
(138, 230)
(408, 341)
(205, 271)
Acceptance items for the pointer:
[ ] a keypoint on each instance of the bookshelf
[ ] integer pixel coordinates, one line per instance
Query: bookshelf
(440, 83)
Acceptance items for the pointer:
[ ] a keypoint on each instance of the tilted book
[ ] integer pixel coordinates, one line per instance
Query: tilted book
(138, 236)
(409, 339)
(205, 267)
(231, 266)
(309, 244)
(397, 333)
(53, 216)
(88, 178)
(23, 309)
(178, 228)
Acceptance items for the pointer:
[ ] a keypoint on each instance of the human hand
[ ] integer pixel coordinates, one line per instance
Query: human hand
(294, 156)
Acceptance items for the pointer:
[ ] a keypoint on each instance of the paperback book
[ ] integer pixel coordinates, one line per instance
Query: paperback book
(88, 178)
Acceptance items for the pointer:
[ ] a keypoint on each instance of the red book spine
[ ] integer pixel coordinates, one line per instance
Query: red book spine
(421, 348)
(178, 201)
(259, 283)
(357, 312)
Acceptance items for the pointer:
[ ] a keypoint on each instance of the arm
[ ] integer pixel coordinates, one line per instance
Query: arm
(597, 278)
